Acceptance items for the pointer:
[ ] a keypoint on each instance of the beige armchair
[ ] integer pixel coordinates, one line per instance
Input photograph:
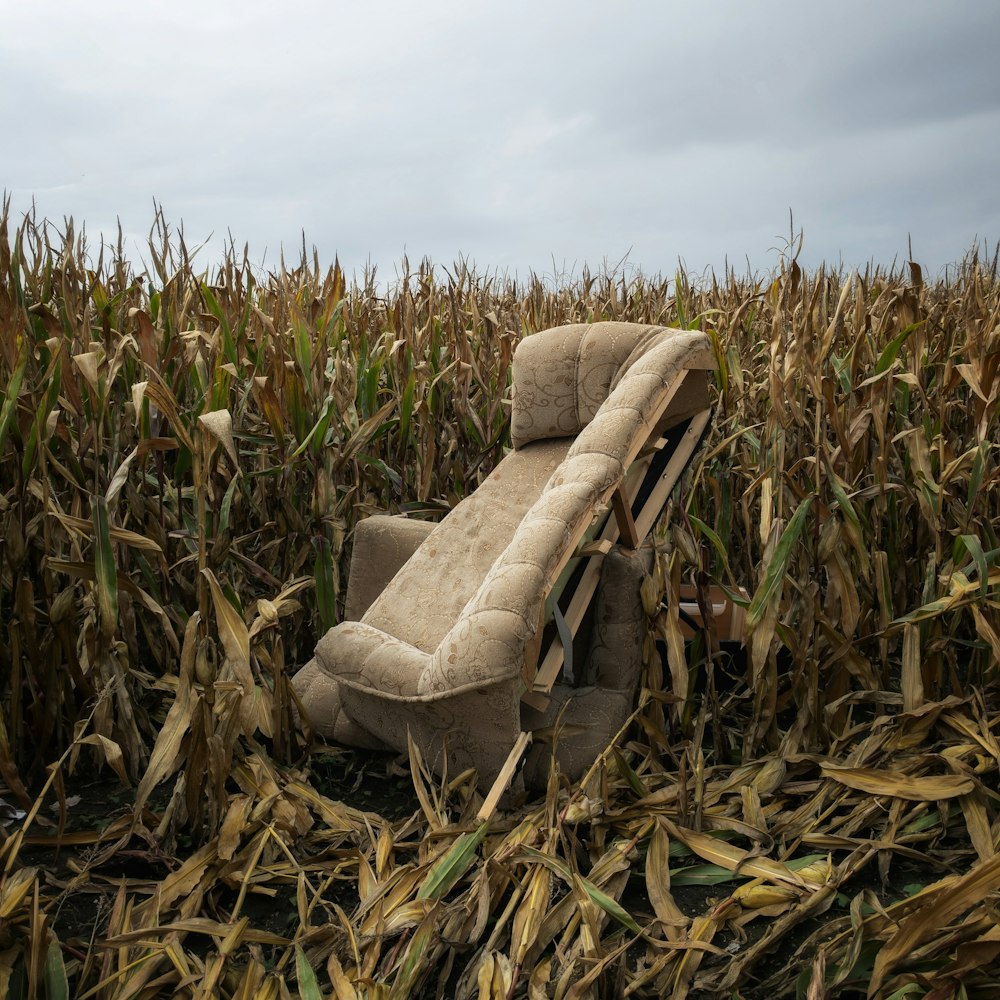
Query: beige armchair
(446, 635)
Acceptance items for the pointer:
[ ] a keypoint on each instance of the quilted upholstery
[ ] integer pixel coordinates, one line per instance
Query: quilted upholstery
(441, 648)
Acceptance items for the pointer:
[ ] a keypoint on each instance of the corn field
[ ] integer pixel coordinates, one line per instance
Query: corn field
(183, 457)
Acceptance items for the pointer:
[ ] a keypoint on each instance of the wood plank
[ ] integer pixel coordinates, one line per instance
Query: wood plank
(622, 507)
(504, 778)
(599, 547)
(668, 479)
(653, 446)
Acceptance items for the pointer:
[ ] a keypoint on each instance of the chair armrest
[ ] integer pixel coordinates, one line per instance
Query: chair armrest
(368, 659)
(382, 544)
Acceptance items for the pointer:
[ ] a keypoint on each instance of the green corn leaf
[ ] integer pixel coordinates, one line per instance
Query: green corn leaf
(775, 574)
(990, 558)
(891, 350)
(975, 549)
(368, 386)
(56, 981)
(626, 771)
(612, 908)
(326, 594)
(716, 541)
(850, 516)
(371, 430)
(308, 983)
(227, 504)
(976, 476)
(451, 866)
(929, 610)
(318, 429)
(701, 875)
(317, 437)
(303, 351)
(390, 474)
(39, 425)
(228, 345)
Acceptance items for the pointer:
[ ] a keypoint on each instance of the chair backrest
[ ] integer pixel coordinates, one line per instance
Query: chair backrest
(562, 376)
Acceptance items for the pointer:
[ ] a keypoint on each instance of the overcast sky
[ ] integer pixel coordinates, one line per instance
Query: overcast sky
(523, 136)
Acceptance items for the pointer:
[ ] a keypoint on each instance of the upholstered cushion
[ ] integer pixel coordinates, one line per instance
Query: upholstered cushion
(425, 598)
(561, 379)
(381, 546)
(579, 722)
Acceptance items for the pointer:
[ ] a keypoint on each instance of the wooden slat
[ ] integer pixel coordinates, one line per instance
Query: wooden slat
(622, 507)
(653, 446)
(668, 479)
(599, 547)
(504, 778)
(551, 665)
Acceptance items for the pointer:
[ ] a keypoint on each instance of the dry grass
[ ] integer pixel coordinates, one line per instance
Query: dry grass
(182, 459)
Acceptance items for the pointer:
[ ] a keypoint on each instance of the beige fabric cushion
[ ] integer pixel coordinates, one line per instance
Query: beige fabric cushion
(579, 723)
(562, 377)
(426, 597)
(475, 727)
(382, 545)
(320, 694)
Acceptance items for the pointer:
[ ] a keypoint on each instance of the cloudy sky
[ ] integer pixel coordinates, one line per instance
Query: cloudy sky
(521, 135)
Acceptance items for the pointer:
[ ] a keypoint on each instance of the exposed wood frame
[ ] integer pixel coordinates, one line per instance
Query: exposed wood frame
(539, 682)
(622, 506)
(504, 778)
(668, 479)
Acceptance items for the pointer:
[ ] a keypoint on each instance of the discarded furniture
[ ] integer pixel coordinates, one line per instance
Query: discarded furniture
(445, 635)
(727, 614)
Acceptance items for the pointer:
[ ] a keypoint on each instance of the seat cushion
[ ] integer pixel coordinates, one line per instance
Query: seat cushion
(425, 599)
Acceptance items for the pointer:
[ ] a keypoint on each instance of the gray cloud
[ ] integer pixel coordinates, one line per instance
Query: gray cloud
(524, 136)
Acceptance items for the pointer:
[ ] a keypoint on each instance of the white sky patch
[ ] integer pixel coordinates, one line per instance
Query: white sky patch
(536, 131)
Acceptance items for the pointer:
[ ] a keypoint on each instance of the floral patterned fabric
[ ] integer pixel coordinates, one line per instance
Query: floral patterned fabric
(440, 650)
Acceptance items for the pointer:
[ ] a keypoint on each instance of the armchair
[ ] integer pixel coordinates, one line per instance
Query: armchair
(445, 633)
